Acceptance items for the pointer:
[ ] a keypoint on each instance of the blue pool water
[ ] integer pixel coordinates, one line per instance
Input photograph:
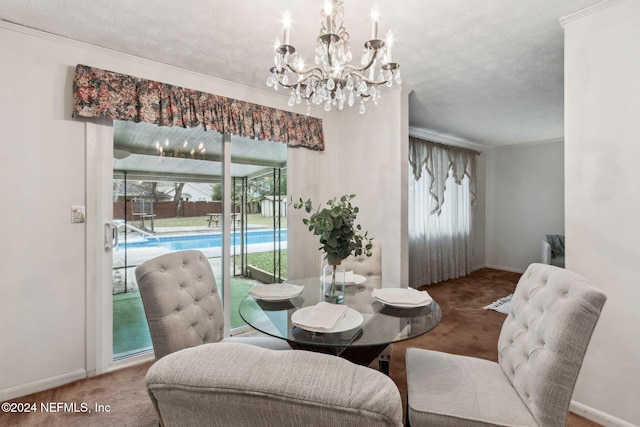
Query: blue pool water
(197, 241)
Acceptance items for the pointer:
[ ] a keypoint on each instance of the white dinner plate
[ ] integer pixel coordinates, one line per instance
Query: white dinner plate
(351, 320)
(275, 299)
(357, 280)
(287, 292)
(391, 293)
(399, 305)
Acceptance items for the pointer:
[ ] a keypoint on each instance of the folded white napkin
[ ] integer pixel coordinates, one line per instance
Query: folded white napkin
(408, 296)
(276, 291)
(323, 317)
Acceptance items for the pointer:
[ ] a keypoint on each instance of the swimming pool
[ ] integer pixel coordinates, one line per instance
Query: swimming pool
(179, 242)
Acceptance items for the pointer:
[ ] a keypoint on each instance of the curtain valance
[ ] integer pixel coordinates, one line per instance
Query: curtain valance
(438, 160)
(98, 92)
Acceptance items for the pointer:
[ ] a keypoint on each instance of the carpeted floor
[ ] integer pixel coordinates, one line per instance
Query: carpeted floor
(124, 391)
(466, 328)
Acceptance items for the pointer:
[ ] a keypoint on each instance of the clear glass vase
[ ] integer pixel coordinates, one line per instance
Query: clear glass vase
(333, 277)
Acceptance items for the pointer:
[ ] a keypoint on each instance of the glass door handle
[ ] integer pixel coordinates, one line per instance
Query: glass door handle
(110, 236)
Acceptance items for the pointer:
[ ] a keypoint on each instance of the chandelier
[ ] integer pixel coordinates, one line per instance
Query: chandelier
(333, 81)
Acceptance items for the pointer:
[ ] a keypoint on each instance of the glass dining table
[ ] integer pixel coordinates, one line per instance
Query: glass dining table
(381, 324)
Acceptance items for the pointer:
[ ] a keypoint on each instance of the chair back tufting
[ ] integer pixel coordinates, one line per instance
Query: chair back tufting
(544, 338)
(367, 266)
(181, 301)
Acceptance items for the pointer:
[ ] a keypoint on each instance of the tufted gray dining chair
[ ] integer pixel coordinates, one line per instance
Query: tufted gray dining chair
(183, 306)
(540, 350)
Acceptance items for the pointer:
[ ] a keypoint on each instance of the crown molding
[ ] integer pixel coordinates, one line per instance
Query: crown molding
(588, 11)
(228, 89)
(444, 139)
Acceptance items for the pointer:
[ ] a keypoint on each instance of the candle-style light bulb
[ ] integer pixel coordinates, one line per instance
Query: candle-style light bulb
(375, 14)
(328, 12)
(328, 7)
(389, 43)
(286, 22)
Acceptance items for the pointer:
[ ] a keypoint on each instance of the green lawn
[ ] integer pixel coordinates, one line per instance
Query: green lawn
(264, 261)
(130, 330)
(239, 290)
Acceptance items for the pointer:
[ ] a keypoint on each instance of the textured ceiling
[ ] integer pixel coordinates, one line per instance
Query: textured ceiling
(487, 72)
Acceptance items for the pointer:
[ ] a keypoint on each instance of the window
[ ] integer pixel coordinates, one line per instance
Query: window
(441, 193)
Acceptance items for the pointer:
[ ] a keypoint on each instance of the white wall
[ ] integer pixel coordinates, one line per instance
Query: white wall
(42, 173)
(602, 148)
(365, 155)
(524, 201)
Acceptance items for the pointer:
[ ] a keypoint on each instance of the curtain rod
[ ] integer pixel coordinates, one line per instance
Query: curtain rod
(446, 146)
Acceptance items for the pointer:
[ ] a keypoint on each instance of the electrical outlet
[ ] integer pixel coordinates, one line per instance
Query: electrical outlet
(77, 214)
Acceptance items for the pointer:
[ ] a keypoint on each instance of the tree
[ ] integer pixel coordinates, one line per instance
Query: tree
(216, 192)
(154, 191)
(177, 197)
(258, 188)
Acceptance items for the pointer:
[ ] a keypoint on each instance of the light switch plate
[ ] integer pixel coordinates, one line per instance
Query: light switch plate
(77, 214)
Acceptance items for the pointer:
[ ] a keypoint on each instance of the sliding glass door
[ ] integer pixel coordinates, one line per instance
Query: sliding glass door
(259, 235)
(163, 201)
(169, 194)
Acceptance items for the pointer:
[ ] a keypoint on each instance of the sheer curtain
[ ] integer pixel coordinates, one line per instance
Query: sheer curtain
(441, 195)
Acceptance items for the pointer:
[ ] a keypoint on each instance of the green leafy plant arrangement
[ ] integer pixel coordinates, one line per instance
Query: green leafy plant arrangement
(335, 224)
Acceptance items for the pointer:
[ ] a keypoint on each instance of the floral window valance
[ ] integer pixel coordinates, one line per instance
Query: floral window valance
(438, 160)
(98, 93)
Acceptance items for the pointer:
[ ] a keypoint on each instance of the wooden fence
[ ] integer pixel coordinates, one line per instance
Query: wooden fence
(164, 209)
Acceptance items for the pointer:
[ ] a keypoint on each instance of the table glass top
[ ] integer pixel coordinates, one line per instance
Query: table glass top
(381, 325)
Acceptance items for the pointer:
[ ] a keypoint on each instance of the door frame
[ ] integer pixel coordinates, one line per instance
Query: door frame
(99, 259)
(99, 209)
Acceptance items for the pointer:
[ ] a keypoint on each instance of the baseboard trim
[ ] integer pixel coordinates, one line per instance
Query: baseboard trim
(41, 385)
(509, 269)
(597, 416)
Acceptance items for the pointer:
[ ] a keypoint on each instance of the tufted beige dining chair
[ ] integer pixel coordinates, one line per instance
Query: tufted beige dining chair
(230, 384)
(182, 304)
(367, 266)
(540, 350)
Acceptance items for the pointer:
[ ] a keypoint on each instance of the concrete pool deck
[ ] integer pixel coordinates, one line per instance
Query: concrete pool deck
(202, 229)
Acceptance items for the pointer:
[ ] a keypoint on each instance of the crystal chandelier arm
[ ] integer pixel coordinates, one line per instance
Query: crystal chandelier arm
(302, 74)
(362, 69)
(302, 80)
(366, 80)
(376, 49)
(291, 85)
